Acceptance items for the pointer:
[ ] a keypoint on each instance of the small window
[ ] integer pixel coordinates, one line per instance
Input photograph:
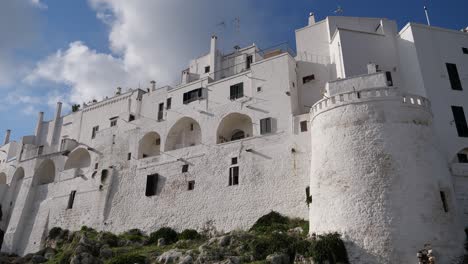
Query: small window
(234, 161)
(460, 121)
(62, 143)
(158, 142)
(95, 130)
(96, 166)
(129, 156)
(358, 95)
(388, 75)
(40, 150)
(303, 126)
(168, 103)
(236, 91)
(71, 200)
(462, 158)
(249, 61)
(454, 77)
(104, 175)
(308, 78)
(113, 139)
(161, 112)
(265, 125)
(233, 176)
(207, 69)
(113, 121)
(259, 89)
(444, 201)
(191, 126)
(191, 185)
(465, 50)
(131, 118)
(151, 184)
(185, 168)
(293, 84)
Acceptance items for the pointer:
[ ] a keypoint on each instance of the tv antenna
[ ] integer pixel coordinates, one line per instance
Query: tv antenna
(339, 10)
(236, 21)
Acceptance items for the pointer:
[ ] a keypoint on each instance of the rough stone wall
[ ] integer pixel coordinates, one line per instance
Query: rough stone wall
(376, 177)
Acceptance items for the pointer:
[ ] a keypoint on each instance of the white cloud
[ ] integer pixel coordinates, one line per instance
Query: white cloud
(149, 40)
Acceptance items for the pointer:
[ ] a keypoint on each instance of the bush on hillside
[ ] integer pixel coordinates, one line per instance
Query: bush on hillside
(271, 222)
(189, 234)
(54, 232)
(128, 258)
(329, 247)
(169, 235)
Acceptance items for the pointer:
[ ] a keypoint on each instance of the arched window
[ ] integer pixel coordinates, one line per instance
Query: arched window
(234, 126)
(149, 145)
(45, 174)
(186, 132)
(78, 159)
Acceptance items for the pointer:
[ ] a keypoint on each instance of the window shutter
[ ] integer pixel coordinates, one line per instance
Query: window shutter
(460, 121)
(454, 77)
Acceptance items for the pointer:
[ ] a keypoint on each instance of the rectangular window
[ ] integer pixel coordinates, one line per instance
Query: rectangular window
(169, 103)
(236, 91)
(96, 166)
(460, 121)
(234, 161)
(160, 111)
(95, 130)
(193, 95)
(113, 121)
(249, 61)
(388, 75)
(234, 176)
(454, 77)
(129, 156)
(71, 200)
(185, 168)
(151, 184)
(259, 89)
(191, 127)
(62, 143)
(465, 50)
(191, 185)
(158, 142)
(131, 118)
(444, 201)
(308, 78)
(462, 158)
(265, 125)
(303, 126)
(40, 150)
(207, 69)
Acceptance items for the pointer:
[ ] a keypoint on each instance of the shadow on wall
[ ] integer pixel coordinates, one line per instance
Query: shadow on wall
(186, 132)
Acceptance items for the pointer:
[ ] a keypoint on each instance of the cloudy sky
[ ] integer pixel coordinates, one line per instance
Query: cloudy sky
(79, 50)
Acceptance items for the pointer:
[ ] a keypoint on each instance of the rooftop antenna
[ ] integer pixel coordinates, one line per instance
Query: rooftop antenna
(339, 10)
(427, 16)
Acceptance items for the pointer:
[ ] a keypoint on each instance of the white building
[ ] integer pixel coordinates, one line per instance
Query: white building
(367, 120)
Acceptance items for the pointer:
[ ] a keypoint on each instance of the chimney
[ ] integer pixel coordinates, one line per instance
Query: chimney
(40, 119)
(153, 85)
(7, 137)
(58, 111)
(119, 91)
(311, 18)
(372, 68)
(213, 55)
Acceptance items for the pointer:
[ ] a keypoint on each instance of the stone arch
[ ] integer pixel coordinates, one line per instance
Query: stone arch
(149, 145)
(45, 174)
(186, 132)
(233, 127)
(78, 159)
(3, 178)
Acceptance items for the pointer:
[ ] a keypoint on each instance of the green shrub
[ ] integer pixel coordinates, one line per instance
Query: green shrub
(329, 247)
(109, 239)
(128, 258)
(189, 234)
(134, 235)
(54, 232)
(169, 235)
(264, 245)
(271, 222)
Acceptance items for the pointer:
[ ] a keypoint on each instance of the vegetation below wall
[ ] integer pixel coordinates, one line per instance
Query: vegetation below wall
(273, 239)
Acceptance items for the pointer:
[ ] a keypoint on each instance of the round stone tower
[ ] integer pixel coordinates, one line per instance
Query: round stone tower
(378, 179)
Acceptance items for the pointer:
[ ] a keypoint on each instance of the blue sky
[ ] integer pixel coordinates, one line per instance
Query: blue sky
(75, 51)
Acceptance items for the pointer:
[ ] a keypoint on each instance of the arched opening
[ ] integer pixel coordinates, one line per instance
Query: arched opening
(15, 184)
(233, 127)
(3, 179)
(78, 159)
(185, 133)
(45, 174)
(149, 145)
(461, 157)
